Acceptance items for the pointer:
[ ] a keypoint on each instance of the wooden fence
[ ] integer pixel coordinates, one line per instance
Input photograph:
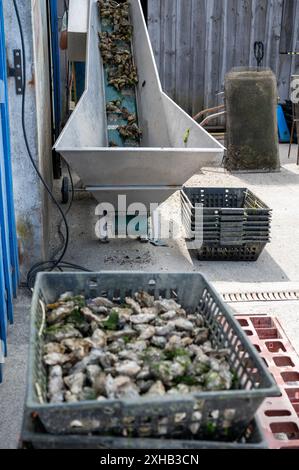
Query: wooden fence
(197, 41)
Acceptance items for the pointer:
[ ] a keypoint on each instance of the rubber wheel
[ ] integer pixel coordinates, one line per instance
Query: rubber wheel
(65, 190)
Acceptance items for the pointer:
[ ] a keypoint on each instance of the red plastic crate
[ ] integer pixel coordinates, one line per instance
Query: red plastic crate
(279, 416)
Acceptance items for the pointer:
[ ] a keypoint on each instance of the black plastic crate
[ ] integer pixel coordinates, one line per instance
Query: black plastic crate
(34, 437)
(227, 413)
(248, 252)
(236, 225)
(259, 223)
(214, 231)
(226, 200)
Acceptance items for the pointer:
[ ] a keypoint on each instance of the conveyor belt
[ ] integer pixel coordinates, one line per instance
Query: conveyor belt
(127, 97)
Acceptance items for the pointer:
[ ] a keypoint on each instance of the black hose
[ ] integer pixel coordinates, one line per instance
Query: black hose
(58, 263)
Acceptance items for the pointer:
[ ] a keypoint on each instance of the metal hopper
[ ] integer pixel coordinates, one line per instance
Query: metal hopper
(164, 161)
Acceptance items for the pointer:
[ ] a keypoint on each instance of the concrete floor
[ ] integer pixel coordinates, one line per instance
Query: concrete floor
(12, 390)
(278, 263)
(278, 268)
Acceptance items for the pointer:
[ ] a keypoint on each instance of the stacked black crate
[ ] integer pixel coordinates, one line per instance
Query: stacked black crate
(234, 224)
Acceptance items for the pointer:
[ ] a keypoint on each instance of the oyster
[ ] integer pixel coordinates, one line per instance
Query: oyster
(128, 355)
(59, 333)
(144, 299)
(201, 336)
(159, 341)
(171, 315)
(152, 355)
(201, 365)
(147, 333)
(150, 311)
(103, 302)
(183, 325)
(98, 310)
(116, 347)
(114, 107)
(165, 330)
(80, 347)
(221, 380)
(181, 389)
(125, 314)
(75, 383)
(60, 313)
(56, 359)
(165, 305)
(93, 373)
(97, 349)
(131, 118)
(90, 316)
(121, 387)
(131, 131)
(128, 368)
(142, 319)
(174, 342)
(100, 384)
(127, 333)
(106, 359)
(51, 348)
(93, 358)
(137, 346)
(199, 321)
(185, 342)
(207, 347)
(163, 372)
(99, 339)
(56, 385)
(134, 305)
(157, 389)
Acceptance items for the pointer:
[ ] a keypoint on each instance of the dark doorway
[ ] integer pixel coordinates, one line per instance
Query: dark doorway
(145, 9)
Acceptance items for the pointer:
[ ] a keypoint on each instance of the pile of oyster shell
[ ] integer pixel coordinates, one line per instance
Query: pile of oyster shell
(115, 45)
(116, 51)
(117, 58)
(97, 349)
(130, 130)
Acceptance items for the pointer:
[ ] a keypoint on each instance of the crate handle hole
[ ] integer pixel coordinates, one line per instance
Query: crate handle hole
(93, 284)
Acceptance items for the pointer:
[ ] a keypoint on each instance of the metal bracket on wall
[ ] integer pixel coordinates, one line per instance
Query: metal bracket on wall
(17, 71)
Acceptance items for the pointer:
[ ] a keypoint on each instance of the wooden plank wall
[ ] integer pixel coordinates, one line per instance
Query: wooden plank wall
(196, 42)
